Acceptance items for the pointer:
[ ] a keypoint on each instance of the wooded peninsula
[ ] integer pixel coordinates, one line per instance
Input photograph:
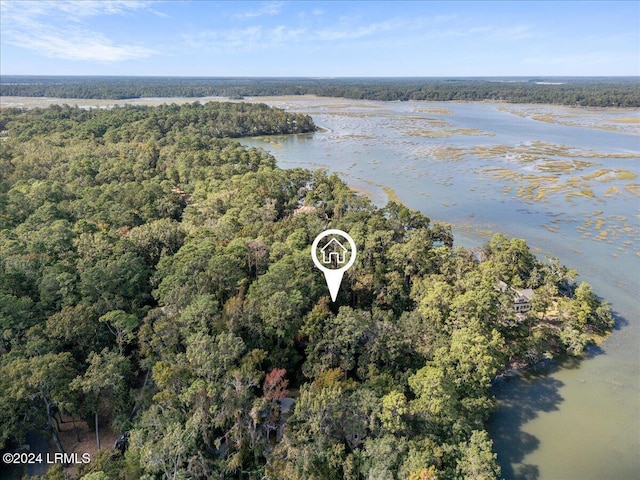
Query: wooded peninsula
(156, 282)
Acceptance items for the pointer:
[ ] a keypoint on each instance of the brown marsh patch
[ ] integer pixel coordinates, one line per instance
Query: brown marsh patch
(609, 174)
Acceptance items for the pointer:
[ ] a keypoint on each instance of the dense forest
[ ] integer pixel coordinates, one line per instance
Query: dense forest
(582, 91)
(156, 280)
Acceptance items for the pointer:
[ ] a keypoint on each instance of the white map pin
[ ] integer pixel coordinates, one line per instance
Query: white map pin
(333, 276)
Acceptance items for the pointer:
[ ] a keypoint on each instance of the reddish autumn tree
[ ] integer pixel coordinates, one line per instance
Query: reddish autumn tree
(275, 385)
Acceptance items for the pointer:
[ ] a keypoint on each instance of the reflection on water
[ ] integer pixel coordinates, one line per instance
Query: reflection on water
(570, 189)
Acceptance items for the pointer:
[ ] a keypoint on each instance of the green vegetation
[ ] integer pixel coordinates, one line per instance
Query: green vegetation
(594, 92)
(157, 280)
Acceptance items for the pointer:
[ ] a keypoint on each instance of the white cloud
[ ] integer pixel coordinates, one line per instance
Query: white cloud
(76, 44)
(516, 32)
(260, 37)
(70, 9)
(267, 8)
(392, 31)
(55, 29)
(243, 39)
(483, 32)
(350, 33)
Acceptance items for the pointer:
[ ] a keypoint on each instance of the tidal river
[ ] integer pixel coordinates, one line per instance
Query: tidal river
(564, 179)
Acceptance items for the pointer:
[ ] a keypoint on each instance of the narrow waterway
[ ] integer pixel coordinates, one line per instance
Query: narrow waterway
(566, 180)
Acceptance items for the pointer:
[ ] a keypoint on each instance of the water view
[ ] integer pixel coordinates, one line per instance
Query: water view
(161, 314)
(564, 179)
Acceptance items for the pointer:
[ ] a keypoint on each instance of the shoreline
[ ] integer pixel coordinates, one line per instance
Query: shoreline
(519, 367)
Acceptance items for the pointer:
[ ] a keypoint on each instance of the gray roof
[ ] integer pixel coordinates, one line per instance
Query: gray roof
(286, 404)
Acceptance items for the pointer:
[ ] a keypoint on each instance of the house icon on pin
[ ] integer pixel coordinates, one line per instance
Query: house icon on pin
(333, 252)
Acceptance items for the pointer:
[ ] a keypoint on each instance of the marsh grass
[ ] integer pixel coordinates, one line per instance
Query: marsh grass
(391, 194)
(608, 174)
(610, 119)
(538, 150)
(633, 189)
(433, 110)
(450, 132)
(628, 120)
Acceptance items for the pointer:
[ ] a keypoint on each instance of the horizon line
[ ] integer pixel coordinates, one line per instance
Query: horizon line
(313, 77)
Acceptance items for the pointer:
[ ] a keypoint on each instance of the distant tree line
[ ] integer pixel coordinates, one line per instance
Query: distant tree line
(594, 92)
(157, 280)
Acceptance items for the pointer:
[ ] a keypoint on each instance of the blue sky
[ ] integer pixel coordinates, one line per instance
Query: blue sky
(300, 38)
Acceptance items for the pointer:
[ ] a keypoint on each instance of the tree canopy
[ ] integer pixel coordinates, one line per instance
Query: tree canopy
(157, 278)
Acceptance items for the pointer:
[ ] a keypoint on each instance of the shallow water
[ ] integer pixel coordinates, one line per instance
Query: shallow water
(569, 190)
